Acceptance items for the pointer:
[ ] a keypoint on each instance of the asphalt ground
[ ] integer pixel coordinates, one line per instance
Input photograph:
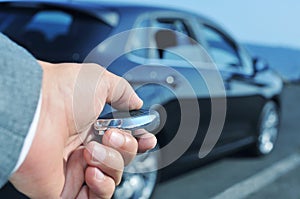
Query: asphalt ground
(276, 176)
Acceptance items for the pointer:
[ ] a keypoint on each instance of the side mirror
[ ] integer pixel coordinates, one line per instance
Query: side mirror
(260, 65)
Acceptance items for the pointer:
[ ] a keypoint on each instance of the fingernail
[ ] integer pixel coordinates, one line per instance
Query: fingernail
(117, 139)
(99, 153)
(99, 175)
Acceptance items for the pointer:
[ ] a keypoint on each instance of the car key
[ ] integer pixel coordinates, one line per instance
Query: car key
(128, 120)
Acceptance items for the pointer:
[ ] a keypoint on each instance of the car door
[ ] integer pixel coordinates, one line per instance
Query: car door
(168, 75)
(244, 101)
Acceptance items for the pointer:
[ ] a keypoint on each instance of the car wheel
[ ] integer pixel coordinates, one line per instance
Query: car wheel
(136, 184)
(268, 128)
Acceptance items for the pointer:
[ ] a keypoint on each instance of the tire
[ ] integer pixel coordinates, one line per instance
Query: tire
(139, 185)
(268, 129)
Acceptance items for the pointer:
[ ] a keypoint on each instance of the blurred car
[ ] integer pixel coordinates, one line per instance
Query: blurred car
(68, 31)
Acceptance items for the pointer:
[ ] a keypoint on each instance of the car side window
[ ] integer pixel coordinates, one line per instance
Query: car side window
(55, 35)
(170, 39)
(222, 50)
(50, 23)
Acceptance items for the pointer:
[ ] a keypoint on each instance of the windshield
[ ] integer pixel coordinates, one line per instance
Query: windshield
(54, 35)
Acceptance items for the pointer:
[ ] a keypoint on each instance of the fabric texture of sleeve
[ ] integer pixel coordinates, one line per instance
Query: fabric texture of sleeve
(20, 85)
(30, 136)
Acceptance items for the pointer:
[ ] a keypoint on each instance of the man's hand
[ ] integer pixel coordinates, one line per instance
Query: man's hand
(57, 164)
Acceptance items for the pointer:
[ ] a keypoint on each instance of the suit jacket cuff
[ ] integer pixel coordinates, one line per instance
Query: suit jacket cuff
(30, 136)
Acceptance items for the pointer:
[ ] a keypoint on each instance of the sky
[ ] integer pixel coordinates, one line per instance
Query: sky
(270, 22)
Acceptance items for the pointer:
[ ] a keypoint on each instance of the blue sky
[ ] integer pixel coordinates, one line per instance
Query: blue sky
(271, 22)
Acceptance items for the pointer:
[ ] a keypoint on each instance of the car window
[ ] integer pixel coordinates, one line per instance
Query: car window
(223, 51)
(54, 35)
(169, 39)
(2, 16)
(51, 24)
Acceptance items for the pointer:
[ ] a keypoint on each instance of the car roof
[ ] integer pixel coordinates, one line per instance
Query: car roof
(83, 4)
(93, 6)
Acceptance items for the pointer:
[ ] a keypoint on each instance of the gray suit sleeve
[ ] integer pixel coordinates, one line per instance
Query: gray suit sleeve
(20, 84)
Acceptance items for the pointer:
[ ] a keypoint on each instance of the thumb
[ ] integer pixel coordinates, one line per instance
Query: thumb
(95, 87)
(121, 95)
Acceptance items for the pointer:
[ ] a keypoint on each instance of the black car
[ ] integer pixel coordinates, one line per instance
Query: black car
(213, 97)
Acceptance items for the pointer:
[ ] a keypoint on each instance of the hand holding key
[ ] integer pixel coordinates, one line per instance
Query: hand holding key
(58, 165)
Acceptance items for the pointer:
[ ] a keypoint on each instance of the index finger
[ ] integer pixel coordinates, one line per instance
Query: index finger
(146, 140)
